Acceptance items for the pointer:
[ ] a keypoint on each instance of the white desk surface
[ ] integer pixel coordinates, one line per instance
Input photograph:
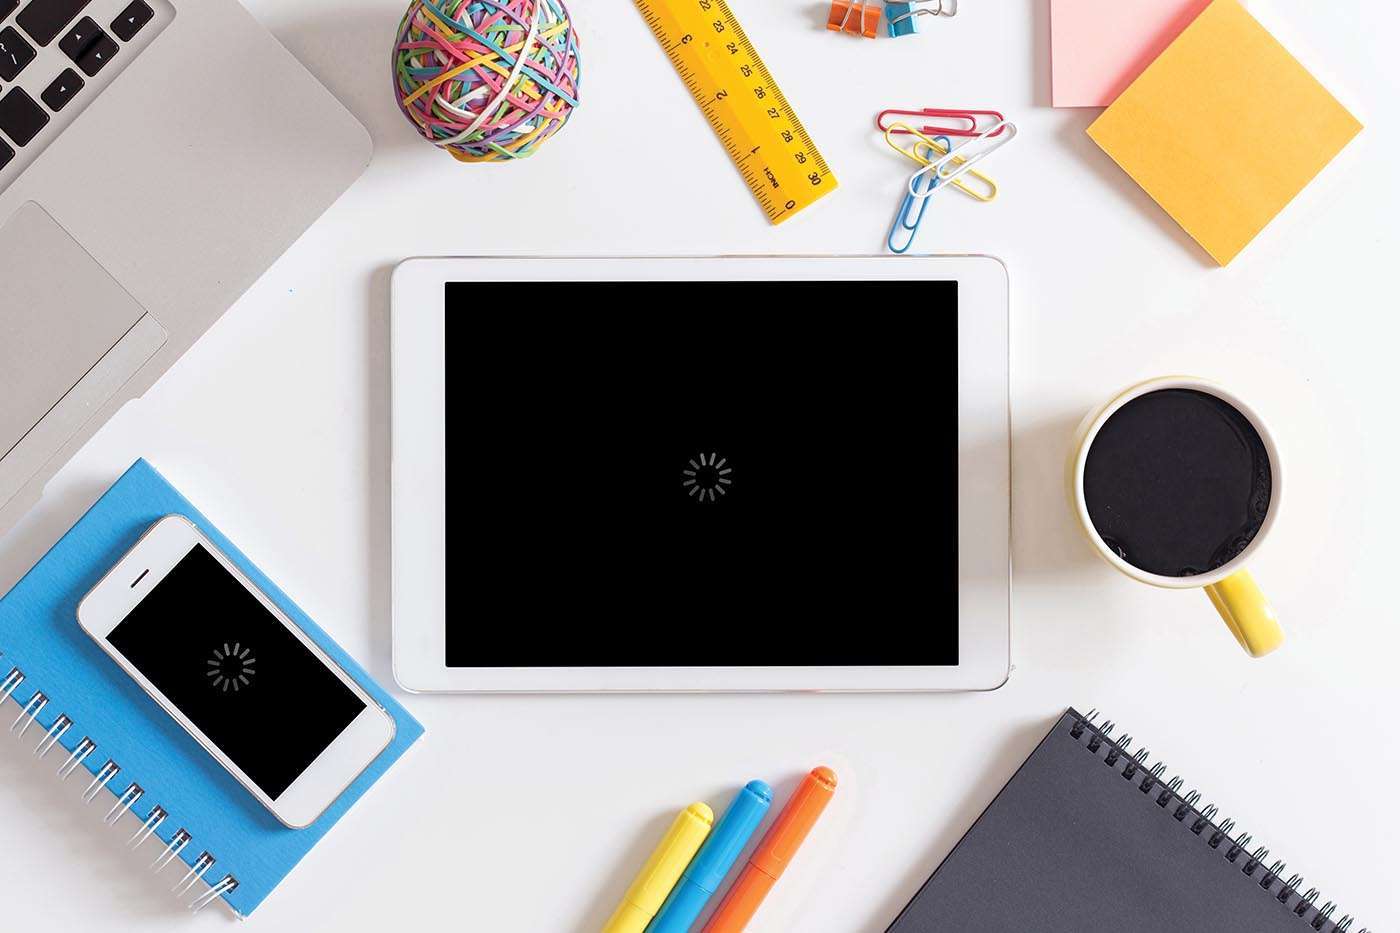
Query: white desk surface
(276, 425)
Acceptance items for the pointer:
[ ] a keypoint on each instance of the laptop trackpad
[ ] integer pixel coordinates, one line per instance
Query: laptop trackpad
(70, 336)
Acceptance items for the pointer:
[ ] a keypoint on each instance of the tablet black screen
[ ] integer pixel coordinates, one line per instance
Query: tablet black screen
(701, 474)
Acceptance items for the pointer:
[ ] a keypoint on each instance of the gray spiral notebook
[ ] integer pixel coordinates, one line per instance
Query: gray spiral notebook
(1039, 858)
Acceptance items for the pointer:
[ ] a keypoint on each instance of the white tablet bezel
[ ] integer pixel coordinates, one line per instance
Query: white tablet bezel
(418, 480)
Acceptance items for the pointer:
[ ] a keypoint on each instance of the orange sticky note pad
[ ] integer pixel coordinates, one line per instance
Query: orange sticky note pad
(1224, 129)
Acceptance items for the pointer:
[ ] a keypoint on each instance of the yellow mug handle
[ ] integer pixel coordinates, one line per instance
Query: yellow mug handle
(1247, 613)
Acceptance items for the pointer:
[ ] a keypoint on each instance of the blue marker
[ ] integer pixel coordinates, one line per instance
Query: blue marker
(719, 853)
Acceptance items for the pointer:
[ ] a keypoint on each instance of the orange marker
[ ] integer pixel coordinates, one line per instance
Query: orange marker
(771, 858)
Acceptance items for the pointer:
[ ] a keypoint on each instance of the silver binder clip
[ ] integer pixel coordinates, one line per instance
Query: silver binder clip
(85, 748)
(152, 823)
(124, 803)
(7, 686)
(172, 849)
(50, 739)
(196, 872)
(226, 886)
(109, 771)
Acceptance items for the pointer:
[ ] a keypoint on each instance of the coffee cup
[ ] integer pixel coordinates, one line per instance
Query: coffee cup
(1176, 483)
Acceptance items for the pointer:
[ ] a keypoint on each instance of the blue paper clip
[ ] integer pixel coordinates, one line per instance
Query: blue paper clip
(929, 182)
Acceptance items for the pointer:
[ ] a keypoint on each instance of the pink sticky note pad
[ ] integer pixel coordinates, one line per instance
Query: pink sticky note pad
(1099, 47)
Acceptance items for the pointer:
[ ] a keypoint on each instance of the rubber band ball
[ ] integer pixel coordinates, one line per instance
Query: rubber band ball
(487, 80)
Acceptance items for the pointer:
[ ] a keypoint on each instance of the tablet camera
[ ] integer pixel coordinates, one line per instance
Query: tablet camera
(231, 669)
(707, 480)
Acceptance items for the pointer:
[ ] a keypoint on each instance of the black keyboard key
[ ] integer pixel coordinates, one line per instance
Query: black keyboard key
(7, 7)
(129, 22)
(6, 154)
(57, 95)
(15, 53)
(45, 19)
(76, 41)
(98, 54)
(20, 118)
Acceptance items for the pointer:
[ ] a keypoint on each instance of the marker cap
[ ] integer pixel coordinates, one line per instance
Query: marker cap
(722, 849)
(662, 870)
(795, 822)
(771, 858)
(719, 853)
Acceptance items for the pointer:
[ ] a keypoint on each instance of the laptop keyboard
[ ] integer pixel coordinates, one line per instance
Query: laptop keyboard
(43, 19)
(44, 83)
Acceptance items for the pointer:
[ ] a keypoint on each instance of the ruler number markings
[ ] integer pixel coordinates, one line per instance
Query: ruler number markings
(717, 50)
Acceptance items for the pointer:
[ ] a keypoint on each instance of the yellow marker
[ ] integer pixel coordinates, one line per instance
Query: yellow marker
(662, 870)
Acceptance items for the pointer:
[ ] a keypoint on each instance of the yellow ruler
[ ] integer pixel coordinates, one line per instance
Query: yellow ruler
(743, 103)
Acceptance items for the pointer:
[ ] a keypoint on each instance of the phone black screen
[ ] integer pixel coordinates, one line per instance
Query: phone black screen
(662, 474)
(229, 665)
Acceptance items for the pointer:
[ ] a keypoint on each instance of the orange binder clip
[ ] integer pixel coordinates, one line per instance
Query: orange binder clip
(858, 17)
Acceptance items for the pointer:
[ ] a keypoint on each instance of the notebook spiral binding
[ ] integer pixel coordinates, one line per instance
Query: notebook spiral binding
(126, 800)
(1201, 821)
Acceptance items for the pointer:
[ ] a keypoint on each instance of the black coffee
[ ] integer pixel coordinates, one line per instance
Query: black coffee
(1178, 482)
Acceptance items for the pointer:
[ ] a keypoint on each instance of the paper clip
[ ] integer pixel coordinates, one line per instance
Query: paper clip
(953, 164)
(939, 147)
(971, 117)
(902, 220)
(903, 18)
(857, 17)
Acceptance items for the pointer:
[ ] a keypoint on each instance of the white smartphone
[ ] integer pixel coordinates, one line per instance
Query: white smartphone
(235, 672)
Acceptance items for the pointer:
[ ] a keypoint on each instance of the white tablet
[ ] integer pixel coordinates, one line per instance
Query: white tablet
(741, 474)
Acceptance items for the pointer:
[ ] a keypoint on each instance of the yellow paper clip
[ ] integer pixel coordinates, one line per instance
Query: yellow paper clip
(989, 191)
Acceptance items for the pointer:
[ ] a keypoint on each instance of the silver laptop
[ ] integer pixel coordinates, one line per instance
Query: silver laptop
(156, 156)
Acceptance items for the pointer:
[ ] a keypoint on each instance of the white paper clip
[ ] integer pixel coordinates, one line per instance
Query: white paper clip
(957, 162)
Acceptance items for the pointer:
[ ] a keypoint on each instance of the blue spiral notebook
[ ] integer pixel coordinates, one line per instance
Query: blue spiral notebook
(96, 719)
